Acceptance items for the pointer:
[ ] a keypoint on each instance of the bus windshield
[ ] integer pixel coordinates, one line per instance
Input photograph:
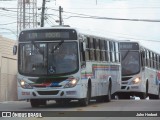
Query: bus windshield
(130, 62)
(48, 58)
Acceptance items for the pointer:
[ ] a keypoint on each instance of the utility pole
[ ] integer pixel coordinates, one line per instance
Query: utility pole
(42, 15)
(24, 8)
(60, 15)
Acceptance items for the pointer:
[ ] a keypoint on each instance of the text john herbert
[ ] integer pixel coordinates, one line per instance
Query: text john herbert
(147, 114)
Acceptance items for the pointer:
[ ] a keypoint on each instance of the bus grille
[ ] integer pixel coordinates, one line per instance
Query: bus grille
(48, 92)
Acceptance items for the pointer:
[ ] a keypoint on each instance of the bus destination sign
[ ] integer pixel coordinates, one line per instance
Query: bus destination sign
(43, 35)
(128, 46)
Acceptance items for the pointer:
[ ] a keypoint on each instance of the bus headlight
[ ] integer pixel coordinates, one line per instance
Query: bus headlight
(71, 82)
(24, 84)
(136, 81)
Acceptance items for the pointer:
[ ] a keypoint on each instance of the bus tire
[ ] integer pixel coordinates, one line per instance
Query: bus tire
(34, 103)
(155, 96)
(158, 96)
(123, 95)
(99, 99)
(42, 102)
(85, 101)
(63, 101)
(108, 96)
(142, 96)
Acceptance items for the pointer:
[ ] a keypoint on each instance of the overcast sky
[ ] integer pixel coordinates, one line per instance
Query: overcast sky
(146, 33)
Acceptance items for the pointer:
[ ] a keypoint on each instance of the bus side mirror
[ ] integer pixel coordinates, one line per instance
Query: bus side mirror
(14, 49)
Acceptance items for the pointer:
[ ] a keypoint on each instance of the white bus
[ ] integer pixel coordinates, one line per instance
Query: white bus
(140, 71)
(61, 64)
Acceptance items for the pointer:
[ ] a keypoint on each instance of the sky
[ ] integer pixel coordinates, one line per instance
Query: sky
(147, 33)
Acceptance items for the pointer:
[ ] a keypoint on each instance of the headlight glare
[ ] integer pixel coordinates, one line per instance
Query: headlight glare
(24, 84)
(136, 81)
(72, 82)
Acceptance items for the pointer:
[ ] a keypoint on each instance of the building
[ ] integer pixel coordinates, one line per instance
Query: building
(8, 70)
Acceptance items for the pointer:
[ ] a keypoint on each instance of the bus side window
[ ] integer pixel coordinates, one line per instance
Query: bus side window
(97, 50)
(87, 49)
(159, 62)
(110, 51)
(91, 50)
(151, 65)
(102, 50)
(82, 52)
(106, 51)
(142, 58)
(116, 52)
(147, 59)
(153, 59)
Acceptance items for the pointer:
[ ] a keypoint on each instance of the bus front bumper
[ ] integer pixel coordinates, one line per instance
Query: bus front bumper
(51, 93)
(131, 88)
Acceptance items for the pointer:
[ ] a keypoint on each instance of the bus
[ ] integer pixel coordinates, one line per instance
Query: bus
(140, 71)
(62, 64)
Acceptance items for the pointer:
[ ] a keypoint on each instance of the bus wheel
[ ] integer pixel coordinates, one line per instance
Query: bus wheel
(124, 97)
(142, 96)
(155, 96)
(63, 102)
(99, 99)
(158, 96)
(42, 102)
(34, 103)
(85, 101)
(145, 94)
(59, 101)
(108, 96)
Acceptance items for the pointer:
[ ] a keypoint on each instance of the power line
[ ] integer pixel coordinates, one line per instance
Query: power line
(116, 8)
(98, 17)
(106, 18)
(5, 9)
(8, 23)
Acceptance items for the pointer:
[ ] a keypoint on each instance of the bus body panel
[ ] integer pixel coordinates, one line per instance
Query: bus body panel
(152, 77)
(100, 73)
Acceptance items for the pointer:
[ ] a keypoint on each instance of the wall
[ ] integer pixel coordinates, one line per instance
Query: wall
(8, 70)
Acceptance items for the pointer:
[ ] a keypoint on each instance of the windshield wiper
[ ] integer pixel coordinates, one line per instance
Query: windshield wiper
(37, 47)
(125, 55)
(57, 46)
